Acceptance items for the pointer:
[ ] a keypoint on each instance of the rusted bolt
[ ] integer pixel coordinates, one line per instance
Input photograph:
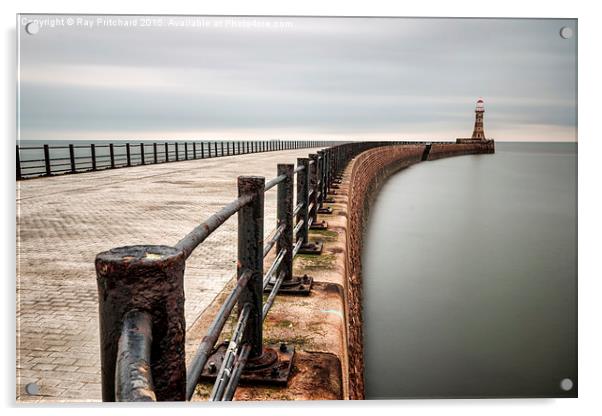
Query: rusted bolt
(283, 347)
(212, 367)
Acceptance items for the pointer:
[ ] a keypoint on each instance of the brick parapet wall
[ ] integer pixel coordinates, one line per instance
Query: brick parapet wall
(367, 173)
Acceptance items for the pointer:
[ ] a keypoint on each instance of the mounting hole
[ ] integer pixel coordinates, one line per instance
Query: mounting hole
(566, 32)
(32, 389)
(566, 384)
(32, 28)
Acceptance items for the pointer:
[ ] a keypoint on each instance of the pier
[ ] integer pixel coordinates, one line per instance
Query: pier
(65, 221)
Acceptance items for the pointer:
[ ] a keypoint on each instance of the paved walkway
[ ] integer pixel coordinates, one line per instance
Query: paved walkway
(63, 222)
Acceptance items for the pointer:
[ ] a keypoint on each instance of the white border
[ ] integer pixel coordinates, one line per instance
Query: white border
(590, 276)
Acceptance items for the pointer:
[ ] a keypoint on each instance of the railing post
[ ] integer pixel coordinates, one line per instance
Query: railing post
(18, 165)
(316, 196)
(166, 152)
(112, 155)
(155, 153)
(250, 257)
(215, 149)
(147, 279)
(194, 150)
(303, 196)
(313, 187)
(72, 158)
(93, 156)
(321, 170)
(47, 160)
(142, 153)
(177, 154)
(185, 150)
(284, 212)
(202, 150)
(128, 155)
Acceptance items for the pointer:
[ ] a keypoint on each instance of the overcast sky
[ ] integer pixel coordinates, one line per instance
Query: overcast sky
(342, 78)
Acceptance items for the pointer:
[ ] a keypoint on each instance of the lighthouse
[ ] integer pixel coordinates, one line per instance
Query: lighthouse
(479, 131)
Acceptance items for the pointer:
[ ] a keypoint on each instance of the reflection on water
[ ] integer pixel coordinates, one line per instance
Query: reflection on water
(470, 277)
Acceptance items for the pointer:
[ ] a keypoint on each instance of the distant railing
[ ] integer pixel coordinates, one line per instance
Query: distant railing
(141, 293)
(48, 160)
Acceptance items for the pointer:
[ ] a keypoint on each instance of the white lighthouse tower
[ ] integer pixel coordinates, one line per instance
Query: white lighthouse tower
(479, 130)
(478, 133)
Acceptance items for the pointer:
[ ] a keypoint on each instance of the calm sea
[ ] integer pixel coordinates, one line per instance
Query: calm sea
(470, 277)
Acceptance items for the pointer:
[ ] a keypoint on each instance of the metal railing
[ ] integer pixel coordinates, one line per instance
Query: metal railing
(141, 293)
(48, 160)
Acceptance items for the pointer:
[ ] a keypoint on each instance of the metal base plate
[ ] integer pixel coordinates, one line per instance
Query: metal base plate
(272, 368)
(322, 225)
(325, 210)
(298, 285)
(311, 248)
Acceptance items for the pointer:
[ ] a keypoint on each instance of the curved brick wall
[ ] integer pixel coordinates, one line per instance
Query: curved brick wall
(440, 150)
(368, 172)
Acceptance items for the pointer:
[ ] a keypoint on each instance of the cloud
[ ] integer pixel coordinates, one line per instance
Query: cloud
(320, 76)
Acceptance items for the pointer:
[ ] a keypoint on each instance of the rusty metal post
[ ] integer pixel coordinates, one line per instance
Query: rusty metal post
(142, 153)
(185, 150)
(316, 196)
(285, 216)
(215, 148)
(128, 154)
(177, 154)
(47, 160)
(166, 152)
(148, 279)
(18, 165)
(250, 257)
(155, 153)
(222, 147)
(321, 176)
(313, 185)
(93, 156)
(194, 150)
(202, 150)
(303, 196)
(72, 158)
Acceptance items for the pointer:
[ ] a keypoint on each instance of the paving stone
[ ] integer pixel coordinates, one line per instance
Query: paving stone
(64, 221)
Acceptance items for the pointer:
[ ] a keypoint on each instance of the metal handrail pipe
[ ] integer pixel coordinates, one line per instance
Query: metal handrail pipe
(269, 185)
(133, 375)
(239, 365)
(209, 340)
(268, 246)
(297, 247)
(297, 209)
(272, 270)
(272, 295)
(201, 232)
(298, 227)
(223, 376)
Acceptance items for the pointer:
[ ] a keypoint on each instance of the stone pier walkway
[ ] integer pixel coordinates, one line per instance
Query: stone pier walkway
(64, 221)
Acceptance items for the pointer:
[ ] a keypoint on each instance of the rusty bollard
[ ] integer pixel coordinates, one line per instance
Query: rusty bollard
(148, 279)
